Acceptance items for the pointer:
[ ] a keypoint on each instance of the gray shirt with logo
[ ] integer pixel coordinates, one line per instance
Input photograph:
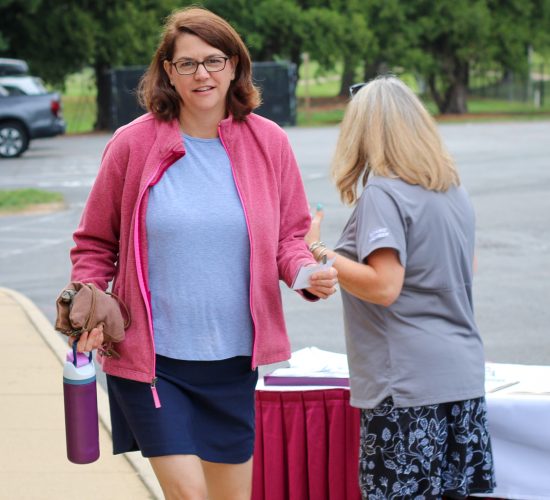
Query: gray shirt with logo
(425, 348)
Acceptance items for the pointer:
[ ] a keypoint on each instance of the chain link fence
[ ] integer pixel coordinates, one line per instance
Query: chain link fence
(533, 88)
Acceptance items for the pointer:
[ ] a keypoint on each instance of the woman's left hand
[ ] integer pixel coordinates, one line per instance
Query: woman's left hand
(323, 283)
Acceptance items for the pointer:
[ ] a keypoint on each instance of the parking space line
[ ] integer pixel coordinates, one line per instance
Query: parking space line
(30, 249)
(36, 220)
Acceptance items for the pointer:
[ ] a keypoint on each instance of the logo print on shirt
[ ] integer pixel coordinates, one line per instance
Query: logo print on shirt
(378, 234)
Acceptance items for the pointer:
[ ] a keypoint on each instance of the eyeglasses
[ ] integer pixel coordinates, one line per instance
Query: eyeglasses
(356, 87)
(190, 66)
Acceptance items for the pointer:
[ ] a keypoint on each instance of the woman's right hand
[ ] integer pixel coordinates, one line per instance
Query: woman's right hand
(89, 341)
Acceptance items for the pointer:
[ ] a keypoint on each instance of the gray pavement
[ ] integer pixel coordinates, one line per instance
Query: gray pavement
(506, 169)
(33, 463)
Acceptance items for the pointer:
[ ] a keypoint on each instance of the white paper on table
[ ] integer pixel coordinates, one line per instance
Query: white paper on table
(497, 379)
(302, 279)
(314, 362)
(518, 379)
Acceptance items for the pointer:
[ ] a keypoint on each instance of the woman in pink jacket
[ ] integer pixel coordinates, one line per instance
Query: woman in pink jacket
(197, 212)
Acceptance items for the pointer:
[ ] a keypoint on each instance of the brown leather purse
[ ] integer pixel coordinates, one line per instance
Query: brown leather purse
(81, 307)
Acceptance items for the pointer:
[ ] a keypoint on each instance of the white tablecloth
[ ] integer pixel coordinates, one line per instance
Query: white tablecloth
(519, 424)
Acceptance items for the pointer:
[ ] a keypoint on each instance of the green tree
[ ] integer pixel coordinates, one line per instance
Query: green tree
(540, 25)
(338, 32)
(394, 37)
(125, 33)
(271, 29)
(442, 41)
(59, 37)
(453, 35)
(437, 40)
(329, 30)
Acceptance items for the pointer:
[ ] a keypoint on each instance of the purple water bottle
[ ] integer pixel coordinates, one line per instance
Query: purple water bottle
(81, 424)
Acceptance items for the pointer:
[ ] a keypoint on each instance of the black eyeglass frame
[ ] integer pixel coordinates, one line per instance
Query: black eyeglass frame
(356, 87)
(225, 59)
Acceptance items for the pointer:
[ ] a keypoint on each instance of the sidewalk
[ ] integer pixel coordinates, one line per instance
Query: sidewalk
(33, 463)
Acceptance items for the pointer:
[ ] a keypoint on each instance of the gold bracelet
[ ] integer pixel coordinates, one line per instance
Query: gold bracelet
(315, 245)
(322, 255)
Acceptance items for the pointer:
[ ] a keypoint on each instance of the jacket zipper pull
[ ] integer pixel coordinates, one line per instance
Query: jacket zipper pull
(155, 393)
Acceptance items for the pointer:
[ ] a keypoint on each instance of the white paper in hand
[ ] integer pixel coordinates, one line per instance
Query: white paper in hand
(302, 279)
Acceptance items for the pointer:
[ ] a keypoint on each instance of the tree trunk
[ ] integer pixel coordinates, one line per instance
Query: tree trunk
(103, 99)
(373, 69)
(348, 78)
(435, 93)
(296, 58)
(455, 99)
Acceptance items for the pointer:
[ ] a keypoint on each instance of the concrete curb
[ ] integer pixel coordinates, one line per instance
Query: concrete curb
(59, 349)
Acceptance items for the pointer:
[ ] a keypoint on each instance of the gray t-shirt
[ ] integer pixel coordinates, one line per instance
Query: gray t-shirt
(425, 348)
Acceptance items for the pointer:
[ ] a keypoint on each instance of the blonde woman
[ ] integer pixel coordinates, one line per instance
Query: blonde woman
(404, 264)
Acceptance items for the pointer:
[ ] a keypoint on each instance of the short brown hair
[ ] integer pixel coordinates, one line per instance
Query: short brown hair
(155, 92)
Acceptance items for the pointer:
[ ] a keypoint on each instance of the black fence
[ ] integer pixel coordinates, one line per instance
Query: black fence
(277, 81)
(513, 88)
(123, 105)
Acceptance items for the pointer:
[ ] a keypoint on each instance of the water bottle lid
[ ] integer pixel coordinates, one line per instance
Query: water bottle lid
(81, 358)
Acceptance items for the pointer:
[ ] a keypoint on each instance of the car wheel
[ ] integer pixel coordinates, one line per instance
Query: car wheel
(14, 139)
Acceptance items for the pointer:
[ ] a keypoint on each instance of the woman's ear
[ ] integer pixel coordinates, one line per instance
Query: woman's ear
(168, 68)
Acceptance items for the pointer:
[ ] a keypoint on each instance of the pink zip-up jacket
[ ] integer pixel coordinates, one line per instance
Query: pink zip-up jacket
(111, 242)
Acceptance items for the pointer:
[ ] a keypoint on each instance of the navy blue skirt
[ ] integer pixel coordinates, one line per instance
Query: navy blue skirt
(207, 409)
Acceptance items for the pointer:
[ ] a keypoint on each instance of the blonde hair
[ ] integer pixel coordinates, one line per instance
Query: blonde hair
(387, 131)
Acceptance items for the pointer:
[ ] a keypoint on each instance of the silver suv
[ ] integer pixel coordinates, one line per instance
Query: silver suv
(27, 110)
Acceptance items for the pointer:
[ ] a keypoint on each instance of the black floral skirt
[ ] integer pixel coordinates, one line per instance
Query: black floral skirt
(425, 452)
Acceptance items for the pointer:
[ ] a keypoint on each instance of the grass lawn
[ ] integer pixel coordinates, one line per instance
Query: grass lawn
(79, 102)
(320, 117)
(320, 88)
(479, 109)
(79, 113)
(22, 199)
(482, 106)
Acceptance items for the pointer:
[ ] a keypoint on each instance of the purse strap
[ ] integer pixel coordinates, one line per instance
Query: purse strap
(90, 317)
(128, 318)
(95, 291)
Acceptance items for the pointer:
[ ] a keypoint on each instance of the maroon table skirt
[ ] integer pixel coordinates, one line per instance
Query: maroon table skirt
(307, 446)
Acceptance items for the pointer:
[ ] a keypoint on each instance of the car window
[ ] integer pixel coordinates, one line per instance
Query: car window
(13, 90)
(23, 85)
(39, 85)
(13, 67)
